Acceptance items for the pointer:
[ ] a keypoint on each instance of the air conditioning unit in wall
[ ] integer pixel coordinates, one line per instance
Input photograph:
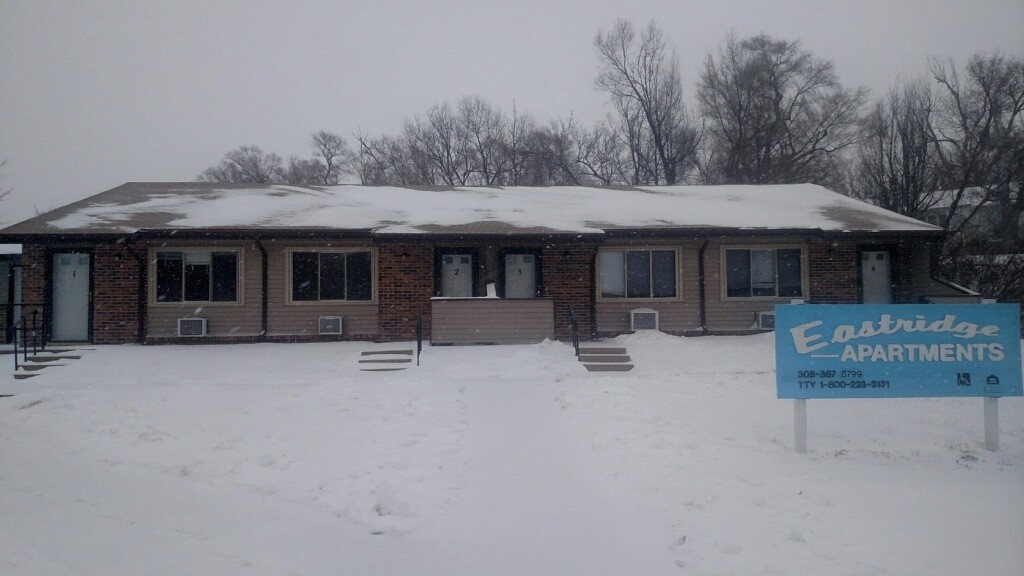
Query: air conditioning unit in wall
(331, 324)
(643, 319)
(765, 320)
(191, 326)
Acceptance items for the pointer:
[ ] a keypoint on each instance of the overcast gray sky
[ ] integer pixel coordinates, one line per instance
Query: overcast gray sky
(94, 94)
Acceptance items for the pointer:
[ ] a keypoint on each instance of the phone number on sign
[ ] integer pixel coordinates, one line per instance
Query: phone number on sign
(811, 384)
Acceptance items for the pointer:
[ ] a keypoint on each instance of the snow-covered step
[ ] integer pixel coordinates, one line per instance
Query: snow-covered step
(385, 360)
(618, 358)
(37, 367)
(608, 367)
(388, 352)
(383, 369)
(52, 357)
(61, 350)
(605, 359)
(23, 375)
(591, 350)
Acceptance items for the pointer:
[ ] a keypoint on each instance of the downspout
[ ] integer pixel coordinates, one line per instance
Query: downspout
(703, 290)
(141, 316)
(264, 322)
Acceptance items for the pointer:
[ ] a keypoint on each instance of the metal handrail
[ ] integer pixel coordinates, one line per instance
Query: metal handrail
(419, 337)
(575, 324)
(28, 332)
(14, 305)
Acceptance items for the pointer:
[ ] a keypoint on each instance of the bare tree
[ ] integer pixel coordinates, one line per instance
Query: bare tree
(484, 130)
(979, 136)
(333, 158)
(580, 157)
(300, 171)
(897, 165)
(776, 113)
(979, 133)
(521, 148)
(4, 190)
(443, 143)
(249, 164)
(641, 76)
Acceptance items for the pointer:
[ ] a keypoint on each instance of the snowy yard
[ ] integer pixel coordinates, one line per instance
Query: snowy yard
(493, 460)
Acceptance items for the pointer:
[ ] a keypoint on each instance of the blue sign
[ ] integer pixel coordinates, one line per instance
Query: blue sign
(897, 351)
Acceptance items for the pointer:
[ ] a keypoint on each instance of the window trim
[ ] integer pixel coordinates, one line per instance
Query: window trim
(724, 272)
(664, 248)
(239, 276)
(329, 250)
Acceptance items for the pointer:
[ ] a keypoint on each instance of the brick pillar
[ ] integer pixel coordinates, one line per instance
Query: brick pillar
(115, 299)
(832, 270)
(908, 253)
(33, 278)
(568, 277)
(405, 285)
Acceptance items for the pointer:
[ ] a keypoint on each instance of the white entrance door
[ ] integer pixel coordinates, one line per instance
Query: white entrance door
(520, 276)
(457, 275)
(876, 276)
(70, 297)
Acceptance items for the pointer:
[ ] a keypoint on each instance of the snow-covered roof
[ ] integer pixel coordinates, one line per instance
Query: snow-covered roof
(970, 197)
(10, 249)
(386, 210)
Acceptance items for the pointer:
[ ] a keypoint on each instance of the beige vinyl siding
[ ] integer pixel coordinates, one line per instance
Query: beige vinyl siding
(491, 320)
(674, 315)
(302, 319)
(222, 318)
(739, 313)
(921, 282)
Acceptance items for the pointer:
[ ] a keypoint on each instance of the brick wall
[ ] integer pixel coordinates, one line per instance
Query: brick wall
(6, 274)
(115, 299)
(903, 268)
(115, 303)
(33, 276)
(568, 277)
(405, 285)
(832, 269)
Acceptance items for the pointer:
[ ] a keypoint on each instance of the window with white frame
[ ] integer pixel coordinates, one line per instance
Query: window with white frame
(331, 276)
(639, 273)
(196, 276)
(763, 273)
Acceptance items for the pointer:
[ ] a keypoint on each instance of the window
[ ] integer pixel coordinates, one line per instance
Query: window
(196, 276)
(638, 273)
(318, 276)
(763, 272)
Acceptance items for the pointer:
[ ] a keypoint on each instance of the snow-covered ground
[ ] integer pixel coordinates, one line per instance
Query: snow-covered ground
(285, 459)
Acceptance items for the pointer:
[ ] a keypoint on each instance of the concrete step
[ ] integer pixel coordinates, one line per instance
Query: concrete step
(49, 358)
(604, 358)
(7, 350)
(385, 360)
(601, 350)
(378, 352)
(24, 375)
(608, 367)
(37, 367)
